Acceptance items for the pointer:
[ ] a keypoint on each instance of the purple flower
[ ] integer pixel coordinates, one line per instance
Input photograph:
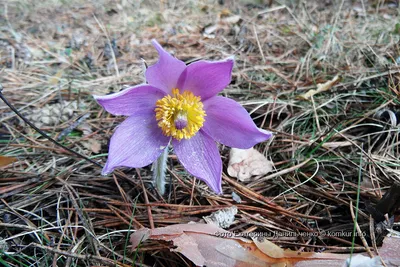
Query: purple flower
(179, 104)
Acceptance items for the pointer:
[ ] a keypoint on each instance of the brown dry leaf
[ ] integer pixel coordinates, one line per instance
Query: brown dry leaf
(92, 145)
(389, 252)
(95, 146)
(274, 251)
(207, 244)
(245, 163)
(4, 161)
(321, 87)
(200, 244)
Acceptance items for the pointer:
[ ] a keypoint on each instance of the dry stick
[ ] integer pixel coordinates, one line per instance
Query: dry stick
(258, 43)
(146, 199)
(121, 190)
(316, 114)
(117, 214)
(103, 260)
(75, 124)
(86, 222)
(110, 45)
(373, 239)
(137, 225)
(358, 81)
(60, 242)
(179, 180)
(282, 172)
(192, 193)
(267, 201)
(360, 233)
(2, 97)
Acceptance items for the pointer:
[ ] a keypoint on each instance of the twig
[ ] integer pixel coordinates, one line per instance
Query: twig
(192, 193)
(85, 220)
(70, 128)
(43, 133)
(373, 239)
(360, 233)
(103, 260)
(258, 43)
(282, 172)
(146, 199)
(267, 201)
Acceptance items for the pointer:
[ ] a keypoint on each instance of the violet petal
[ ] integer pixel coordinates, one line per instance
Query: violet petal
(227, 122)
(137, 142)
(206, 78)
(165, 73)
(135, 100)
(200, 157)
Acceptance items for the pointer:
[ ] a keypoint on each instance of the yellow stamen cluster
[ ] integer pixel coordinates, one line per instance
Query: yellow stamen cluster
(180, 115)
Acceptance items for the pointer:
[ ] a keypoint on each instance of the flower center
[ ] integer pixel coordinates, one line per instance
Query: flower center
(180, 115)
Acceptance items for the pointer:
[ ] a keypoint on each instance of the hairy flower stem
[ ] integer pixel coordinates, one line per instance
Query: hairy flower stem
(159, 167)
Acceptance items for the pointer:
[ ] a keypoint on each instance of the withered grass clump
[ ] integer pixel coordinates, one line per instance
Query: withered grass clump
(57, 210)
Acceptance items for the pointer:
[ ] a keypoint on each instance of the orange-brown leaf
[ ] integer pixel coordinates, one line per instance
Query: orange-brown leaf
(207, 244)
(4, 161)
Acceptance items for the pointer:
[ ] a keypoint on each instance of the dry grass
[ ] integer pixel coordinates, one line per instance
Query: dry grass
(57, 210)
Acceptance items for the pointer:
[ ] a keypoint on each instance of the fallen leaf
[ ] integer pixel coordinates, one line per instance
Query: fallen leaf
(245, 163)
(4, 161)
(274, 251)
(321, 87)
(201, 244)
(389, 252)
(207, 244)
(93, 145)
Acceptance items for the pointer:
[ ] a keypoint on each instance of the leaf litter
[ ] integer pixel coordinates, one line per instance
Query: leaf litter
(210, 245)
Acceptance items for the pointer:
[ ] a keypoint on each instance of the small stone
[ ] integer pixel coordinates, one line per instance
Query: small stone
(236, 198)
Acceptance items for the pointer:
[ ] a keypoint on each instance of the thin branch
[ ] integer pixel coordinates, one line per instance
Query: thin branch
(43, 133)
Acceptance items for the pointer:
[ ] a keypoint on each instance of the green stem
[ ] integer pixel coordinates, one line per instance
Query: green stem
(159, 167)
(357, 204)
